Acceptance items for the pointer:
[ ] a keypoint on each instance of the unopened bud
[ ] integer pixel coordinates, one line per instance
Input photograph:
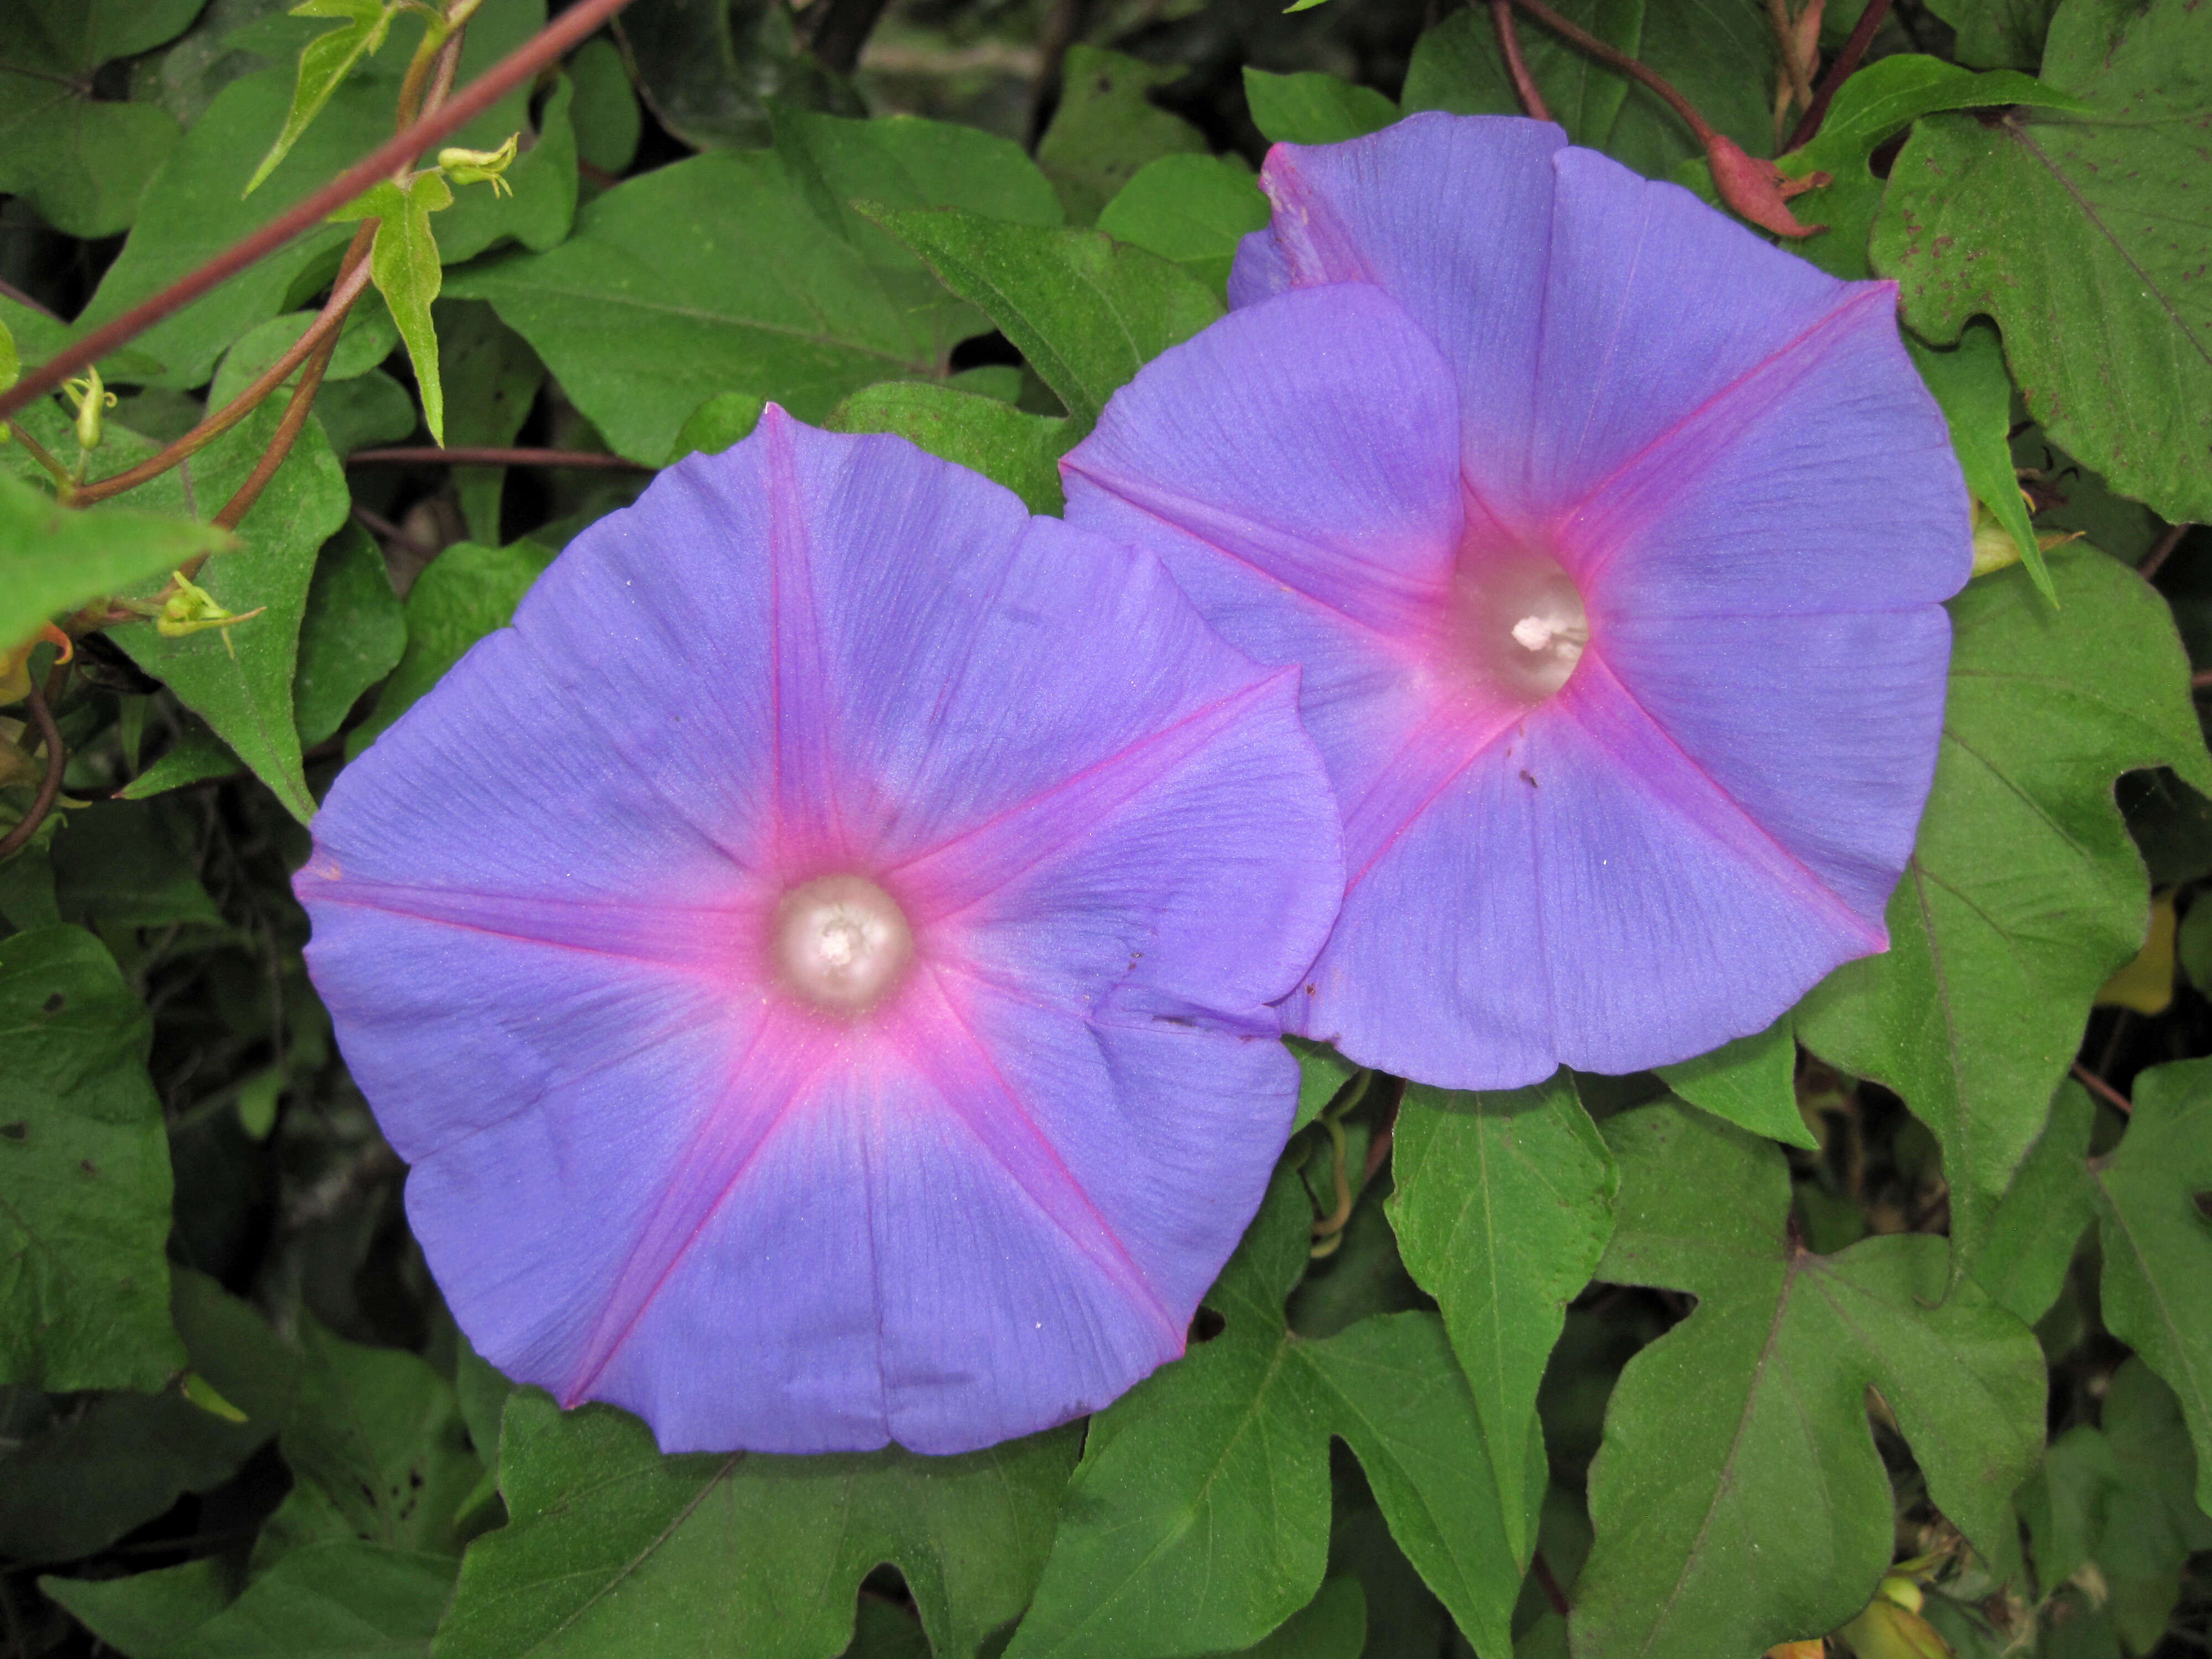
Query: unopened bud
(91, 398)
(482, 166)
(192, 609)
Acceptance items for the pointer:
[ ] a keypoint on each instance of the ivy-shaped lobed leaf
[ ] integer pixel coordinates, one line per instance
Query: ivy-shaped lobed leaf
(1198, 1520)
(1738, 1500)
(2084, 232)
(2023, 892)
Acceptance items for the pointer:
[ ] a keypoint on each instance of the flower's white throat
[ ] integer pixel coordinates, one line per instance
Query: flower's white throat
(840, 943)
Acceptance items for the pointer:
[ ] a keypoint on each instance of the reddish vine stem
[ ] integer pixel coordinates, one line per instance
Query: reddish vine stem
(2104, 1090)
(1509, 46)
(408, 455)
(50, 787)
(378, 525)
(1612, 58)
(1847, 59)
(566, 31)
(334, 315)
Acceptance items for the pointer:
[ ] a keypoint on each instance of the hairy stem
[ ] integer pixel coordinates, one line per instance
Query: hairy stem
(341, 301)
(1509, 45)
(565, 33)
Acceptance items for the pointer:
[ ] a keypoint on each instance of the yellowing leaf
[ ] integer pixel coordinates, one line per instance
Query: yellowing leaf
(2146, 985)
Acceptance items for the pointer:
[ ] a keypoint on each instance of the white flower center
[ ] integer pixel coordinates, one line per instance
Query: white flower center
(840, 943)
(1519, 622)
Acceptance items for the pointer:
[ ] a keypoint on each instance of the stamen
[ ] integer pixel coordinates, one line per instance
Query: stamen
(840, 943)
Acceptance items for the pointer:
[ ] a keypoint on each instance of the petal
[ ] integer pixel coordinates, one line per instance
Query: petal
(1451, 216)
(1655, 303)
(1823, 729)
(1581, 894)
(1297, 468)
(1822, 480)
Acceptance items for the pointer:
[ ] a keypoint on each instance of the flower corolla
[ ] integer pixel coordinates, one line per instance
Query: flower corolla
(1612, 541)
(817, 961)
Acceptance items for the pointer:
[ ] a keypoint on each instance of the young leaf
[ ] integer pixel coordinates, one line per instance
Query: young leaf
(54, 559)
(241, 686)
(1106, 128)
(1739, 1500)
(2158, 1248)
(1751, 1082)
(1198, 1517)
(146, 1615)
(84, 1287)
(1006, 446)
(404, 266)
(612, 1547)
(1086, 310)
(325, 62)
(2084, 236)
(1313, 108)
(1970, 384)
(1502, 1206)
(2023, 892)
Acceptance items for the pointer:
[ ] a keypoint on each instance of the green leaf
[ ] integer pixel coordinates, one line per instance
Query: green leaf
(1199, 1519)
(612, 1546)
(2156, 1519)
(1106, 128)
(1006, 446)
(84, 1175)
(324, 65)
(79, 161)
(146, 1615)
(608, 122)
(762, 292)
(1313, 108)
(1502, 1207)
(191, 212)
(1086, 310)
(1997, 33)
(2023, 892)
(2032, 1235)
(1739, 1499)
(119, 863)
(403, 264)
(467, 591)
(351, 636)
(239, 679)
(370, 410)
(336, 1601)
(1720, 57)
(1193, 210)
(2158, 1244)
(365, 340)
(727, 418)
(54, 559)
(1975, 393)
(377, 1449)
(1751, 1082)
(710, 70)
(196, 756)
(2083, 235)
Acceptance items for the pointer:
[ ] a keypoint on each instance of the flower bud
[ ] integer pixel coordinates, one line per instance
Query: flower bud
(481, 166)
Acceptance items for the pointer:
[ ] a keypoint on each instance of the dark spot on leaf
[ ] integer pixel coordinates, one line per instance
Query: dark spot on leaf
(1205, 1325)
(54, 1003)
(18, 1131)
(87, 1166)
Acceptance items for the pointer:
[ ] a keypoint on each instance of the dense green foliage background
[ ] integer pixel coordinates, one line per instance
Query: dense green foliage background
(1914, 1290)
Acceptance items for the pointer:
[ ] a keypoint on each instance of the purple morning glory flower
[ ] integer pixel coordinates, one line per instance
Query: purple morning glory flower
(1612, 541)
(817, 960)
